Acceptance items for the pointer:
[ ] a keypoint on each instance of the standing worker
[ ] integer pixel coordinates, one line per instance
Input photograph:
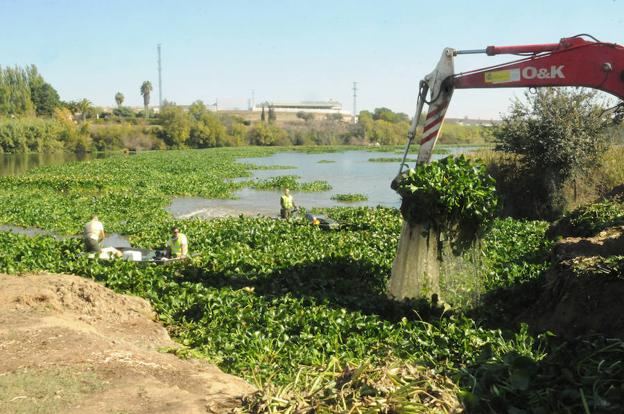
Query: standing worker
(93, 235)
(177, 246)
(287, 204)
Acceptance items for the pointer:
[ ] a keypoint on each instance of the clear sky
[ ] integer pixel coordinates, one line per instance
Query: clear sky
(283, 50)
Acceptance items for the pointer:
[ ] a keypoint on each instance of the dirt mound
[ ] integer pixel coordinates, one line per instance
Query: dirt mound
(70, 345)
(609, 242)
(574, 303)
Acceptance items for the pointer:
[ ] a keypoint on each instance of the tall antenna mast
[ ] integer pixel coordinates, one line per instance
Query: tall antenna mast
(354, 102)
(159, 80)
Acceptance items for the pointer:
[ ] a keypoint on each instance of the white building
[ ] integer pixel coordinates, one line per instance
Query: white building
(316, 107)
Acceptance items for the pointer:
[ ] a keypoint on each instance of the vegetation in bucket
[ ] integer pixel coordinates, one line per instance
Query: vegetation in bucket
(453, 196)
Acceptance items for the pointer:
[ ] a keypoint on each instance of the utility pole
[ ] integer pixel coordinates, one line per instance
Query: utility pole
(253, 99)
(159, 80)
(354, 102)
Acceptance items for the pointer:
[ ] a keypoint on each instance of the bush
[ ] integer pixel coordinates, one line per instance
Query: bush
(263, 134)
(306, 116)
(117, 136)
(589, 220)
(559, 134)
(176, 126)
(124, 112)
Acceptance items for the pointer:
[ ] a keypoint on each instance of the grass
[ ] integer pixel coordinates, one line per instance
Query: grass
(39, 391)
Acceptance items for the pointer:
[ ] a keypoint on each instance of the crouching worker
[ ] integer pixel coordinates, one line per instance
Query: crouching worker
(93, 235)
(177, 246)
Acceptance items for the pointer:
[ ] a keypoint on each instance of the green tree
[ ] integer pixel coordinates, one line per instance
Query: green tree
(206, 129)
(272, 116)
(558, 134)
(119, 99)
(15, 92)
(124, 112)
(365, 125)
(197, 110)
(44, 97)
(84, 106)
(385, 114)
(306, 116)
(334, 117)
(146, 90)
(263, 134)
(176, 125)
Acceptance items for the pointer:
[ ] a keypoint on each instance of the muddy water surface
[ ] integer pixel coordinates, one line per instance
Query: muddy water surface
(346, 172)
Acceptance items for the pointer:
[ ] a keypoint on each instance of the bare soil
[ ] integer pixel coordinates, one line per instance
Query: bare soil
(570, 304)
(70, 345)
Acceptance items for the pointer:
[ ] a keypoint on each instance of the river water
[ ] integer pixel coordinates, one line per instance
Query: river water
(346, 172)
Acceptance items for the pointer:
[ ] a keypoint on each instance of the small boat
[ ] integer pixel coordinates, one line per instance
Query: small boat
(133, 254)
(323, 222)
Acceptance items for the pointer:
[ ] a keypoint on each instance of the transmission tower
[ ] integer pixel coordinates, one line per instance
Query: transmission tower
(159, 80)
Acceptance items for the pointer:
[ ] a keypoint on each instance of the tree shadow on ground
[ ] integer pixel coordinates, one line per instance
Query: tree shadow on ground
(343, 282)
(502, 308)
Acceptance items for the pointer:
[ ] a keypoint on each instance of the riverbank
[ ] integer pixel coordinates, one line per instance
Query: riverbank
(71, 345)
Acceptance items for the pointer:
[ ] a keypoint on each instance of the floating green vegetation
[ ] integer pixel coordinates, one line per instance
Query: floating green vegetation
(414, 149)
(326, 161)
(303, 313)
(349, 198)
(272, 167)
(291, 182)
(391, 159)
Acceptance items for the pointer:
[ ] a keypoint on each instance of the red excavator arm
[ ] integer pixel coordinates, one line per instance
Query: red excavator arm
(574, 61)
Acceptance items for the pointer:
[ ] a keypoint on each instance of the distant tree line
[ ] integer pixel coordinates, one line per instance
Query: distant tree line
(23, 91)
(34, 119)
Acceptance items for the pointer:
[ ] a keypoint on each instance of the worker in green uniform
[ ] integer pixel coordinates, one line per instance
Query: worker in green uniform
(177, 245)
(287, 204)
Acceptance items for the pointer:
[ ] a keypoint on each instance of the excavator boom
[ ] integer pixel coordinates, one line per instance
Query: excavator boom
(574, 61)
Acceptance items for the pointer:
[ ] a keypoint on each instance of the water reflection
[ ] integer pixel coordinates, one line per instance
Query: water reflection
(14, 164)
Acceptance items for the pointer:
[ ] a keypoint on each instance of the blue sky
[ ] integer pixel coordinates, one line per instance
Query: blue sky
(284, 50)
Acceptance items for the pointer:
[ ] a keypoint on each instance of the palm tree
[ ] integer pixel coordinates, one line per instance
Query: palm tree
(146, 88)
(83, 106)
(119, 98)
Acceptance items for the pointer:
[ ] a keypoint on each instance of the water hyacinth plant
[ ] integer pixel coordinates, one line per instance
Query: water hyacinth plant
(349, 198)
(454, 196)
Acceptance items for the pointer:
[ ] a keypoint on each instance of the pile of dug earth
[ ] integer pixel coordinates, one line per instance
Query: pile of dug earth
(70, 345)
